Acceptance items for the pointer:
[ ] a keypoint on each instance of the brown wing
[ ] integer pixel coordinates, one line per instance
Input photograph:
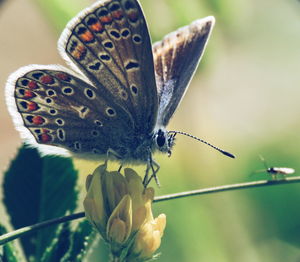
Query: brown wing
(176, 58)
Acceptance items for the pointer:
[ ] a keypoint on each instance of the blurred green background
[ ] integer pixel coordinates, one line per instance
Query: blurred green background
(244, 98)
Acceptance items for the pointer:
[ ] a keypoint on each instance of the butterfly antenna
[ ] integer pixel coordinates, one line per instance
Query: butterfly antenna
(203, 141)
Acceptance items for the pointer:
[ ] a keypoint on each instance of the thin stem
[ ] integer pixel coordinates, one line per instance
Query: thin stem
(261, 183)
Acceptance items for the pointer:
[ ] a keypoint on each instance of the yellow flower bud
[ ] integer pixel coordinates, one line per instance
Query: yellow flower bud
(120, 222)
(148, 238)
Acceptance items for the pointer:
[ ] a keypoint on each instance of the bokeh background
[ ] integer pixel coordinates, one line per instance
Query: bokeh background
(244, 98)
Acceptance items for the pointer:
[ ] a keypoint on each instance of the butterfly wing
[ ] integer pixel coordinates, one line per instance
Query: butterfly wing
(53, 107)
(176, 58)
(109, 43)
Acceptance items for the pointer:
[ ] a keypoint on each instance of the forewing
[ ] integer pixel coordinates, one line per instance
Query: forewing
(52, 107)
(110, 44)
(176, 58)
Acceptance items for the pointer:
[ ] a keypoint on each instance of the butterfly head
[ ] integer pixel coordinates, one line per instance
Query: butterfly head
(164, 141)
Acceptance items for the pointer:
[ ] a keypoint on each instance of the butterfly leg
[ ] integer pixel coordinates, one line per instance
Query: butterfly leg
(120, 168)
(154, 167)
(110, 153)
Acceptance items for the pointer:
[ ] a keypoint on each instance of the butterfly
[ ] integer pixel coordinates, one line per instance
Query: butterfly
(121, 92)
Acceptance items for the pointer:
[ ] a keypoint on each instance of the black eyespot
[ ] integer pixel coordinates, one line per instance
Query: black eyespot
(134, 89)
(29, 118)
(98, 123)
(24, 82)
(91, 21)
(21, 91)
(105, 57)
(48, 100)
(50, 92)
(115, 34)
(53, 111)
(137, 39)
(37, 75)
(95, 66)
(23, 104)
(81, 30)
(108, 44)
(125, 32)
(131, 65)
(103, 12)
(114, 7)
(68, 90)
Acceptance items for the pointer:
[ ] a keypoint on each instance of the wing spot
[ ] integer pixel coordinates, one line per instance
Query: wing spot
(89, 93)
(68, 90)
(110, 112)
(85, 35)
(24, 82)
(83, 111)
(94, 24)
(114, 7)
(125, 33)
(95, 66)
(95, 133)
(53, 112)
(63, 77)
(77, 145)
(49, 100)
(45, 138)
(50, 92)
(105, 57)
(59, 121)
(115, 34)
(98, 123)
(47, 80)
(37, 75)
(61, 134)
(38, 120)
(134, 89)
(32, 85)
(108, 44)
(133, 16)
(124, 94)
(131, 65)
(137, 39)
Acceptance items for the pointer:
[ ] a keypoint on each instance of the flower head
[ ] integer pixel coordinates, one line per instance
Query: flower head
(119, 207)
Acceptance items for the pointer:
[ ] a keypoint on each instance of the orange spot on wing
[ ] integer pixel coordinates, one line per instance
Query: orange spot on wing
(28, 94)
(38, 120)
(45, 138)
(32, 84)
(32, 106)
(97, 27)
(117, 14)
(87, 36)
(79, 51)
(63, 76)
(105, 19)
(46, 79)
(133, 16)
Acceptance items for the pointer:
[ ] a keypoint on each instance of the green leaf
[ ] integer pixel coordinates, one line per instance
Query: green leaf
(60, 244)
(36, 189)
(8, 252)
(81, 242)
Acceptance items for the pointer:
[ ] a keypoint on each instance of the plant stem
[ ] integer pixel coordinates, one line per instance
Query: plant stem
(260, 183)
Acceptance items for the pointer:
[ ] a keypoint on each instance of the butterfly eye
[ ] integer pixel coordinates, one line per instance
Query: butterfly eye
(160, 138)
